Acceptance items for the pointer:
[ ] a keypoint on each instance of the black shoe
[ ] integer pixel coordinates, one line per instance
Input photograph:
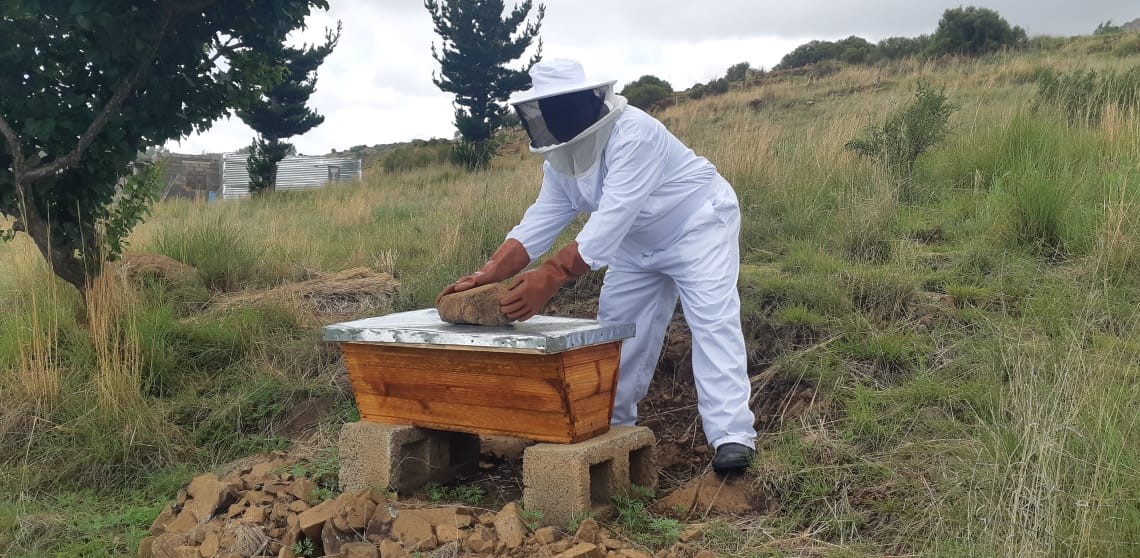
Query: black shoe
(732, 458)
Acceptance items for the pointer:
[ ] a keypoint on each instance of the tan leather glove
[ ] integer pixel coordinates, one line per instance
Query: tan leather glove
(530, 292)
(509, 259)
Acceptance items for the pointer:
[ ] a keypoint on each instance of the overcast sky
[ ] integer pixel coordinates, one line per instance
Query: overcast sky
(376, 87)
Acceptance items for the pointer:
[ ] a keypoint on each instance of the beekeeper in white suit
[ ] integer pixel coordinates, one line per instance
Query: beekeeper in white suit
(662, 219)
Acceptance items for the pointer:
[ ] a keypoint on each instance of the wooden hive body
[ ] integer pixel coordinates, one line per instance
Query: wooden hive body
(562, 397)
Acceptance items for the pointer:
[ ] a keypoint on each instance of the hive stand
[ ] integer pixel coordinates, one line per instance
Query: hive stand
(563, 481)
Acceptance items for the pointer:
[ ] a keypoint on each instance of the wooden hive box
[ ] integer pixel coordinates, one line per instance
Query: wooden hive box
(547, 379)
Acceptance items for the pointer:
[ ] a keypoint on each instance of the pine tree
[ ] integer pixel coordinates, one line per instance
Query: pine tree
(477, 44)
(281, 110)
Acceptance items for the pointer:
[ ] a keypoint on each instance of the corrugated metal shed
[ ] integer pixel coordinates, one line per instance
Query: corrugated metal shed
(293, 173)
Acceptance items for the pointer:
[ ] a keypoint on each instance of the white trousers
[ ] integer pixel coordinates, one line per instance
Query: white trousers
(701, 267)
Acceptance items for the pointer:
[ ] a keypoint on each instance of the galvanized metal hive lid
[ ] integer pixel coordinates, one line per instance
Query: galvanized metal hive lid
(544, 334)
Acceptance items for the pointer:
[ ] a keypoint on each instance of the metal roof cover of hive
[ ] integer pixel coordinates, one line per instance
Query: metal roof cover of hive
(541, 334)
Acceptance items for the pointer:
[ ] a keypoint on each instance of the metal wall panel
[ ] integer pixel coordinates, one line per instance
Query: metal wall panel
(293, 173)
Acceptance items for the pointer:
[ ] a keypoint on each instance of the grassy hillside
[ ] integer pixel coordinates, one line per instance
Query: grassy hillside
(970, 340)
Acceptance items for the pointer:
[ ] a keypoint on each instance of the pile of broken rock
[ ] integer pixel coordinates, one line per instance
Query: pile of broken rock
(261, 511)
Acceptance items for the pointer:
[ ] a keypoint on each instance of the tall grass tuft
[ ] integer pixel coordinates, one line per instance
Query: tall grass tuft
(227, 254)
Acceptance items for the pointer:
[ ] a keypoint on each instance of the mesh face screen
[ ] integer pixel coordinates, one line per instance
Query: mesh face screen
(561, 118)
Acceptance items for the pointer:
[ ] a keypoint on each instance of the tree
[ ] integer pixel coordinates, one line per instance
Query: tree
(809, 53)
(738, 72)
(647, 91)
(88, 84)
(280, 111)
(973, 31)
(897, 48)
(856, 50)
(477, 44)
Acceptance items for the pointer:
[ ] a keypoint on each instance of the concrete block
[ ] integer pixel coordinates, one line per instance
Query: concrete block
(402, 458)
(565, 481)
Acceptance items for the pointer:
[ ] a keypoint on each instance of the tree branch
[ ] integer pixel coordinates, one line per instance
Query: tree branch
(13, 142)
(116, 100)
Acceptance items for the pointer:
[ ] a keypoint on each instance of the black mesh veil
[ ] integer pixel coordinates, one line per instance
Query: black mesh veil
(561, 118)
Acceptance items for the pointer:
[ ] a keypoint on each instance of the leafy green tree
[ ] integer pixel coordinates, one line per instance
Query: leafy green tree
(478, 43)
(856, 50)
(906, 135)
(646, 91)
(280, 111)
(809, 53)
(897, 48)
(738, 72)
(972, 31)
(88, 84)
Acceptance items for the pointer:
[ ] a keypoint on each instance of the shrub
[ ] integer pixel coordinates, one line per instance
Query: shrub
(646, 91)
(906, 135)
(972, 31)
(808, 54)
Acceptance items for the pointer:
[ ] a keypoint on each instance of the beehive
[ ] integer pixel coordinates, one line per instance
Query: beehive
(547, 379)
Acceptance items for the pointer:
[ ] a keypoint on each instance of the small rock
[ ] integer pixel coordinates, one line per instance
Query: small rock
(611, 543)
(588, 531)
(487, 519)
(509, 525)
(332, 539)
(413, 531)
(478, 306)
(392, 549)
(211, 544)
(583, 550)
(482, 541)
(447, 533)
(632, 553)
(280, 511)
(705, 554)
(561, 546)
(547, 535)
(299, 506)
(313, 519)
(379, 525)
(353, 512)
(302, 488)
(359, 550)
(166, 516)
(183, 523)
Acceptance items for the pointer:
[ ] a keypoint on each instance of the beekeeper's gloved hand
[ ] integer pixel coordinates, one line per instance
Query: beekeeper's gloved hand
(509, 259)
(532, 290)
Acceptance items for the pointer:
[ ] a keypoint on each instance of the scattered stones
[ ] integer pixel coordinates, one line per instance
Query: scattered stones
(260, 512)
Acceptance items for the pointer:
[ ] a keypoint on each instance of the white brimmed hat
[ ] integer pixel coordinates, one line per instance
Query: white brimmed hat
(559, 76)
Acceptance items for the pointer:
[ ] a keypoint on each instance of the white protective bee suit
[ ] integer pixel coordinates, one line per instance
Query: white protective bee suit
(667, 225)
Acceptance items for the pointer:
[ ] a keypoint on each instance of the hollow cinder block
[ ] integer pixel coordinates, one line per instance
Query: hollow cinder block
(565, 481)
(402, 458)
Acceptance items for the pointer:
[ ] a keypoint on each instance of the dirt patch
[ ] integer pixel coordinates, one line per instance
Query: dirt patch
(713, 495)
(304, 420)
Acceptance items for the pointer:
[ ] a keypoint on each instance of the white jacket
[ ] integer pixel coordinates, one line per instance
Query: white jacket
(639, 198)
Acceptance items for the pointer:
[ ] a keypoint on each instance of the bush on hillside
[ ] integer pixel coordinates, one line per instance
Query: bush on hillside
(973, 31)
(647, 91)
(809, 53)
(907, 134)
(1107, 28)
(419, 154)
